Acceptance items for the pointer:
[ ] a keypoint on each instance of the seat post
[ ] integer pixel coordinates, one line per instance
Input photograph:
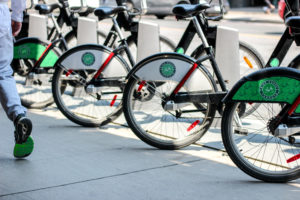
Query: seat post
(118, 29)
(56, 24)
(200, 32)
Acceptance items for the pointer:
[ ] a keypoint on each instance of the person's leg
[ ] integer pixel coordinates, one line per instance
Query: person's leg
(9, 96)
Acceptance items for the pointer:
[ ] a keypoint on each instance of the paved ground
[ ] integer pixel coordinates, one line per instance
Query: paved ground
(72, 162)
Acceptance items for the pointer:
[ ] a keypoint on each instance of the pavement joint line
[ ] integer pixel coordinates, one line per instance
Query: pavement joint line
(101, 178)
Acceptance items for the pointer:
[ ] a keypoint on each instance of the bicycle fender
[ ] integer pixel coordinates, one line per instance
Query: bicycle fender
(92, 57)
(33, 48)
(171, 66)
(274, 85)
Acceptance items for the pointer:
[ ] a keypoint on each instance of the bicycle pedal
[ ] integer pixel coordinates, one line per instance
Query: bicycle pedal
(241, 131)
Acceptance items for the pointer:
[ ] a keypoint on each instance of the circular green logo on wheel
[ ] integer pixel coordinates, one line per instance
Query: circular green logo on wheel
(88, 59)
(24, 51)
(167, 69)
(269, 90)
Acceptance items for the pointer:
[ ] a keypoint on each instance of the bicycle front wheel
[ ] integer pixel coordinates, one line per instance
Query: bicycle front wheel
(145, 94)
(255, 149)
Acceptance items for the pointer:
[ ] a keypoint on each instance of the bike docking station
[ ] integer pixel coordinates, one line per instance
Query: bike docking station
(148, 40)
(38, 26)
(84, 24)
(37, 29)
(84, 36)
(227, 57)
(148, 36)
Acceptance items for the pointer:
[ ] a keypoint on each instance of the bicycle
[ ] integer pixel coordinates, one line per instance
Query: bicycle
(32, 76)
(142, 94)
(164, 104)
(267, 146)
(79, 86)
(180, 109)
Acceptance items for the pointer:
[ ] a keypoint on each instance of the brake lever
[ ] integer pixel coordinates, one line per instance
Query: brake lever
(134, 14)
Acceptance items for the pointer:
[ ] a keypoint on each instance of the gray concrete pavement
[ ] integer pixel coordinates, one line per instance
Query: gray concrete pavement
(72, 162)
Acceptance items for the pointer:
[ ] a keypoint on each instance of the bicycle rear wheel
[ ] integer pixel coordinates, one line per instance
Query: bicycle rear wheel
(144, 97)
(255, 150)
(87, 104)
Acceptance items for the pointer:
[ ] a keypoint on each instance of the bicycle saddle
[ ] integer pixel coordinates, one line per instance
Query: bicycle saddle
(188, 10)
(105, 12)
(293, 21)
(46, 9)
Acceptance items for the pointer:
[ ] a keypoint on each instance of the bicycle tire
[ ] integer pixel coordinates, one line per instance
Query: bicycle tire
(255, 152)
(82, 108)
(140, 119)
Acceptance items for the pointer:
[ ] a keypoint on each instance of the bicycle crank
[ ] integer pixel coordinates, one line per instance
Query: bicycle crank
(284, 131)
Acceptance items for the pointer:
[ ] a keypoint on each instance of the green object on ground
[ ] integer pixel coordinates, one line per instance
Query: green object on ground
(25, 149)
